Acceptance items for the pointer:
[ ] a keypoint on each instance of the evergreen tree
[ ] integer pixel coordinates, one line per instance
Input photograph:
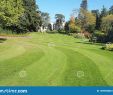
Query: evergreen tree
(45, 19)
(111, 10)
(98, 20)
(104, 12)
(84, 4)
(60, 18)
(82, 13)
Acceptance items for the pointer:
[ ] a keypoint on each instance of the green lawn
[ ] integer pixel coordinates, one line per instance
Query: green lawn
(54, 60)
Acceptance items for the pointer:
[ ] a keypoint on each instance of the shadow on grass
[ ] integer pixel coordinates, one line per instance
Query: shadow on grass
(91, 43)
(2, 40)
(52, 32)
(56, 32)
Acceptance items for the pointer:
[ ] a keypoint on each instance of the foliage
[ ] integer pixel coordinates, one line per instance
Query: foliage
(107, 23)
(110, 35)
(98, 19)
(84, 4)
(111, 10)
(108, 46)
(100, 36)
(52, 32)
(82, 17)
(19, 15)
(82, 12)
(78, 35)
(72, 24)
(8, 32)
(45, 19)
(87, 20)
(10, 12)
(31, 20)
(90, 19)
(104, 12)
(5, 32)
(67, 27)
(90, 22)
(60, 18)
(73, 27)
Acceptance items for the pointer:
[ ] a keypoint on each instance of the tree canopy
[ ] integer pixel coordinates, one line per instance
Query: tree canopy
(19, 15)
(10, 12)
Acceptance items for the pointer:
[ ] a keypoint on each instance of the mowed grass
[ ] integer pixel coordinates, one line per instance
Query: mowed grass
(54, 60)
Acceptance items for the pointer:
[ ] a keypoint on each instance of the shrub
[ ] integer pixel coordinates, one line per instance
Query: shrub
(108, 46)
(87, 35)
(62, 31)
(75, 29)
(101, 37)
(52, 32)
(6, 32)
(78, 35)
(110, 35)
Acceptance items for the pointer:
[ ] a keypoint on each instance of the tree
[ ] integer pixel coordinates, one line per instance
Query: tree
(82, 18)
(60, 18)
(82, 12)
(110, 35)
(107, 27)
(104, 12)
(19, 15)
(72, 26)
(111, 10)
(10, 12)
(107, 23)
(87, 21)
(98, 20)
(67, 26)
(45, 19)
(90, 22)
(84, 4)
(31, 19)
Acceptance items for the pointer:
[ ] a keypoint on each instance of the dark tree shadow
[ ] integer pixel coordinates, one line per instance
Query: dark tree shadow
(91, 43)
(2, 40)
(52, 32)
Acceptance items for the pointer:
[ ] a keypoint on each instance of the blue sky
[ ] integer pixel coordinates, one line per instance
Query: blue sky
(66, 6)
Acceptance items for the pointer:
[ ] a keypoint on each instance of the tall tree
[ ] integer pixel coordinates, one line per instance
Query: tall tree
(31, 19)
(82, 13)
(111, 10)
(90, 22)
(60, 18)
(84, 4)
(107, 23)
(104, 12)
(45, 19)
(72, 24)
(98, 20)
